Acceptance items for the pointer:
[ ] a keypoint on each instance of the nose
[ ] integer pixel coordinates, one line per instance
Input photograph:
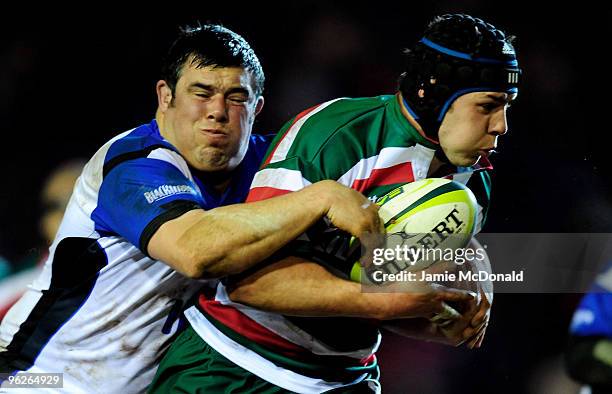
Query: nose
(216, 109)
(499, 123)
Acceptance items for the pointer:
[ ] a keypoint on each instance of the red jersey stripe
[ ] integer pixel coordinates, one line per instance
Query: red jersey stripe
(262, 193)
(399, 173)
(249, 328)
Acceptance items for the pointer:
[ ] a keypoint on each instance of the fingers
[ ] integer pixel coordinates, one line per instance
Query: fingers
(475, 335)
(470, 326)
(478, 319)
(445, 316)
(471, 332)
(351, 211)
(373, 223)
(453, 295)
(452, 333)
(482, 313)
(482, 335)
(478, 324)
(476, 342)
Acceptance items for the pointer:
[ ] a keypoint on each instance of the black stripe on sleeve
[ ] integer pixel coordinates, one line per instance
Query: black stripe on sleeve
(115, 161)
(173, 210)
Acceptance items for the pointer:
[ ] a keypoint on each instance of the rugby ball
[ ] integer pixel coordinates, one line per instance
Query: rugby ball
(425, 221)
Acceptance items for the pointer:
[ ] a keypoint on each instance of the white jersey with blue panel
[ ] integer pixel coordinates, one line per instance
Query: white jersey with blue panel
(102, 312)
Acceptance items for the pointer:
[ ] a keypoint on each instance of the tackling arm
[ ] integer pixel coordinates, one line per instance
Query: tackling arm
(230, 239)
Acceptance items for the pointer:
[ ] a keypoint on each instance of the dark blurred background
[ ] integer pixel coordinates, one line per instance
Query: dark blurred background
(70, 79)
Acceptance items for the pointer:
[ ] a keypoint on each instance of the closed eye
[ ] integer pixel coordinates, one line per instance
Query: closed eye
(238, 98)
(488, 107)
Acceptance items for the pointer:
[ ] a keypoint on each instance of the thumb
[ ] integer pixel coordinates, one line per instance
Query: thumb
(445, 316)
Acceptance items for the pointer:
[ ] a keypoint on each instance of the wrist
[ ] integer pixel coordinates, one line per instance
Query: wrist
(319, 196)
(378, 306)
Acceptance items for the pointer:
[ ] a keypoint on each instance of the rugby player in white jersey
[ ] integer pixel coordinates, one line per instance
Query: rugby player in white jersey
(157, 208)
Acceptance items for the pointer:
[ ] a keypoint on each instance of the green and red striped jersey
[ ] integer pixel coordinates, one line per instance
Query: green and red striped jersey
(363, 143)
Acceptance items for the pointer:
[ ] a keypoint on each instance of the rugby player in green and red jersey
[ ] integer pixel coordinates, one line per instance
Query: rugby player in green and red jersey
(443, 122)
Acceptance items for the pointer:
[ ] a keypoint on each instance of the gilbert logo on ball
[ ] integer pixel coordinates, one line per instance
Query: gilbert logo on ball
(426, 221)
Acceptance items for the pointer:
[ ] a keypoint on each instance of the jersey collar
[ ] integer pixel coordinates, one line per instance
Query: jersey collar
(395, 111)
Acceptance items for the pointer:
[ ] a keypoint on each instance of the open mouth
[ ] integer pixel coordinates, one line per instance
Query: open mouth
(486, 152)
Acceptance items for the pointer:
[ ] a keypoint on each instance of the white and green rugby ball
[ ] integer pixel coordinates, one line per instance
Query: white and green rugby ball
(433, 215)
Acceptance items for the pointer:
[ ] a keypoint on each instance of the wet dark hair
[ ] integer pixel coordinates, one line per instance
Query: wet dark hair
(211, 45)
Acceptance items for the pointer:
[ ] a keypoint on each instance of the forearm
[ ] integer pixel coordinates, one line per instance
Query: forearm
(297, 287)
(294, 286)
(240, 236)
(229, 239)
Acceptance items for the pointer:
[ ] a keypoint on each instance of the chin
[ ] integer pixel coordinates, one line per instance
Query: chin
(211, 160)
(464, 161)
(212, 168)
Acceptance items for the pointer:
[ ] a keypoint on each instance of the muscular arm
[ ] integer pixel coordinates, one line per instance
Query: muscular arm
(294, 286)
(230, 239)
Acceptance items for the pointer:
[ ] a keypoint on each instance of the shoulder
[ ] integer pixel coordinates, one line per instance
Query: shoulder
(139, 142)
(322, 125)
(338, 113)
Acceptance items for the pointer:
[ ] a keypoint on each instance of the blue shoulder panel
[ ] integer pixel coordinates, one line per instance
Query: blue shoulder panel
(138, 194)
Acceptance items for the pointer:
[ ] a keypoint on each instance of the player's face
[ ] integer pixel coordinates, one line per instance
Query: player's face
(472, 125)
(210, 116)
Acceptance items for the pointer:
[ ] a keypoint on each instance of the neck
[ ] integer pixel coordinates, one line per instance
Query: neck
(222, 186)
(435, 162)
(410, 118)
(434, 166)
(159, 118)
(219, 181)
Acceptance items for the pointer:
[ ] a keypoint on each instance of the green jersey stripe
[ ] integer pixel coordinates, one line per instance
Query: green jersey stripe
(284, 145)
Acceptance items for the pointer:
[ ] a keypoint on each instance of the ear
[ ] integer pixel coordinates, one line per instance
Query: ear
(259, 105)
(164, 95)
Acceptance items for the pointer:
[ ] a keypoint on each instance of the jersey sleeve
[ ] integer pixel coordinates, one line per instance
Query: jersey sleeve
(282, 177)
(322, 243)
(138, 196)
